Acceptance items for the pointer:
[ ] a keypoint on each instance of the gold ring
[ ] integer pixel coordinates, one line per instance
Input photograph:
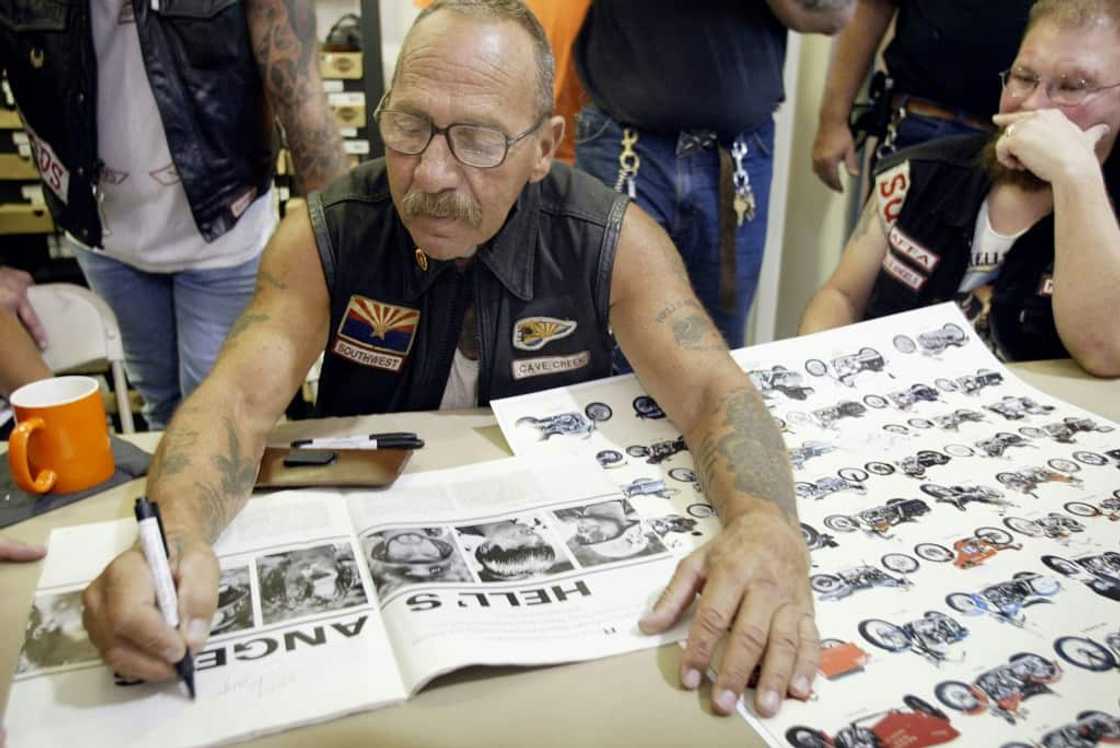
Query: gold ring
(1010, 129)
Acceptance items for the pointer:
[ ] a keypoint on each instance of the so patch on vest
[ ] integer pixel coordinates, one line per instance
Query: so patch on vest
(375, 334)
(534, 333)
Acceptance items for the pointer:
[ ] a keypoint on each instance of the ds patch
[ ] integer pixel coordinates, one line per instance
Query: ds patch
(373, 333)
(533, 333)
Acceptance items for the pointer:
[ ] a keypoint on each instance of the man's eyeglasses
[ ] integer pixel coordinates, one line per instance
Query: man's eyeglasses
(1066, 90)
(473, 145)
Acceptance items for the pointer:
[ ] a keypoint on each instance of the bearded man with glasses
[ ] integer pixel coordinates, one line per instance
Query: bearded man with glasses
(1019, 227)
(463, 267)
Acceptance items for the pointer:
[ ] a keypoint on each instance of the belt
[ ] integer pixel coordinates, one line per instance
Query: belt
(690, 141)
(927, 108)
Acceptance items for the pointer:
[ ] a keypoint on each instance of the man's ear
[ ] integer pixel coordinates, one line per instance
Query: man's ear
(551, 133)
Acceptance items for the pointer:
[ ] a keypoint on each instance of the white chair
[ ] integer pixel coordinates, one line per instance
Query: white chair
(82, 331)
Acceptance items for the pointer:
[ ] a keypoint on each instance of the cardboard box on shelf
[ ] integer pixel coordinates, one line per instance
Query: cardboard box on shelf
(25, 218)
(346, 65)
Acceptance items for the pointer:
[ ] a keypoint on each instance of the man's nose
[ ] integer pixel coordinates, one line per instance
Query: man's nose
(1039, 98)
(438, 169)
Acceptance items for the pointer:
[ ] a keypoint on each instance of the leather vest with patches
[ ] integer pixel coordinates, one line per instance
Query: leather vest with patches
(928, 199)
(541, 289)
(204, 76)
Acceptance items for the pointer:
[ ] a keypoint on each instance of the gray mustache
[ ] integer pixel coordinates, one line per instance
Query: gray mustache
(447, 204)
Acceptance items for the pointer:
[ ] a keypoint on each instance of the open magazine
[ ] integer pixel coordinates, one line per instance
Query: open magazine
(963, 530)
(337, 602)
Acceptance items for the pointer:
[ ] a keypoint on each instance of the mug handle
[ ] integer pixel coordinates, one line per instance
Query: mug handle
(17, 459)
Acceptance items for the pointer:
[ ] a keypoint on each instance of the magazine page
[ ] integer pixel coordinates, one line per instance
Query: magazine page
(296, 638)
(513, 562)
(961, 525)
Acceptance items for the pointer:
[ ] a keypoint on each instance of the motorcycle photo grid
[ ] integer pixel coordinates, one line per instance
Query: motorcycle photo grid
(963, 531)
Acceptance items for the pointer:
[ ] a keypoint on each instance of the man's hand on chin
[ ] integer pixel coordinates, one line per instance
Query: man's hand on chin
(753, 582)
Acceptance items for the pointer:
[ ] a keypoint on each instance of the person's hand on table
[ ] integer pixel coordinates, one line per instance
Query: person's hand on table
(119, 610)
(13, 550)
(1048, 144)
(13, 298)
(753, 582)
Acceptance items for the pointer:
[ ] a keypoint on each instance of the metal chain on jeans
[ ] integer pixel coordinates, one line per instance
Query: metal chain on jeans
(887, 146)
(628, 163)
(744, 202)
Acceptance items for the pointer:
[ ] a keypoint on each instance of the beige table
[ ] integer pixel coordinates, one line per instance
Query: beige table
(630, 700)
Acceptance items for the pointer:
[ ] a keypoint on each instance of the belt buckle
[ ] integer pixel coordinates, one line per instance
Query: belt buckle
(690, 141)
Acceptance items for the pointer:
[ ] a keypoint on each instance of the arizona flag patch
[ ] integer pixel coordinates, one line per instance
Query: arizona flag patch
(373, 333)
(533, 333)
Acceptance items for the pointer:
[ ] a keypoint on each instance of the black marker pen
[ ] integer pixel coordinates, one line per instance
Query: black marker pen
(155, 550)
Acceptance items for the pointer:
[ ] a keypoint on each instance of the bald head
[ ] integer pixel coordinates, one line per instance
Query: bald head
(498, 12)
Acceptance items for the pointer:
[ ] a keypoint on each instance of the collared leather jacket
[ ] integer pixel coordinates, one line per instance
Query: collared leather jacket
(206, 83)
(928, 199)
(541, 290)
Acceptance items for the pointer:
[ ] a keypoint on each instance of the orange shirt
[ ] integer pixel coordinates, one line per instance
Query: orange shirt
(561, 20)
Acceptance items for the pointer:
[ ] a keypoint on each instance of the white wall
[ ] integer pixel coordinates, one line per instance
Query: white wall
(816, 218)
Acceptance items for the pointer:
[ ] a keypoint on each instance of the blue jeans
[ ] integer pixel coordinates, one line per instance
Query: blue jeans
(915, 129)
(172, 324)
(682, 194)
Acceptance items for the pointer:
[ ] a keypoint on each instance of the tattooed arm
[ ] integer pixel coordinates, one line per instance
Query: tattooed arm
(843, 298)
(752, 579)
(813, 16)
(206, 463)
(283, 37)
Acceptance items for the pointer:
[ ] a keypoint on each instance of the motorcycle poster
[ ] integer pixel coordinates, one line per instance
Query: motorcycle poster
(963, 530)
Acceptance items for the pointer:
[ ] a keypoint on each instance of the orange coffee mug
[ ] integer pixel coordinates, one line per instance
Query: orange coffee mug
(61, 440)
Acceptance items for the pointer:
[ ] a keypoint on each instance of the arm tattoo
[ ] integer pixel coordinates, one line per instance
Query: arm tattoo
(266, 278)
(286, 48)
(173, 457)
(751, 450)
(244, 322)
(692, 330)
(220, 500)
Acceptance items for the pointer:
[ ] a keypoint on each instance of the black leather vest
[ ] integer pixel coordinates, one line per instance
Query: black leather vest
(929, 198)
(541, 289)
(200, 64)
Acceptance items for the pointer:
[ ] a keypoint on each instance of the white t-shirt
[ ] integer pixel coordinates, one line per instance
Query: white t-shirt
(988, 250)
(145, 213)
(462, 384)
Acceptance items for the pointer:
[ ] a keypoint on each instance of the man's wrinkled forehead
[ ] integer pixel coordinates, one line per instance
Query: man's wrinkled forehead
(461, 56)
(1068, 48)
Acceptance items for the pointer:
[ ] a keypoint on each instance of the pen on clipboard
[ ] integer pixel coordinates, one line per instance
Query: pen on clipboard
(155, 550)
(390, 440)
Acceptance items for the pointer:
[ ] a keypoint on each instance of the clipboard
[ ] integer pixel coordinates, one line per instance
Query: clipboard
(366, 468)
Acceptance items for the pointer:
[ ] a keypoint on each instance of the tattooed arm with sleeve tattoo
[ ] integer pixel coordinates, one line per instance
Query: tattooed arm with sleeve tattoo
(283, 37)
(813, 16)
(752, 579)
(206, 463)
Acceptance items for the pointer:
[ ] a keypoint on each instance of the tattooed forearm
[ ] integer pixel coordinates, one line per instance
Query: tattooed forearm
(285, 45)
(173, 456)
(747, 452)
(223, 496)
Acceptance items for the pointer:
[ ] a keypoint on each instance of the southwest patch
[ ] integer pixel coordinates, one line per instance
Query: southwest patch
(906, 246)
(890, 191)
(373, 333)
(898, 270)
(539, 367)
(533, 333)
